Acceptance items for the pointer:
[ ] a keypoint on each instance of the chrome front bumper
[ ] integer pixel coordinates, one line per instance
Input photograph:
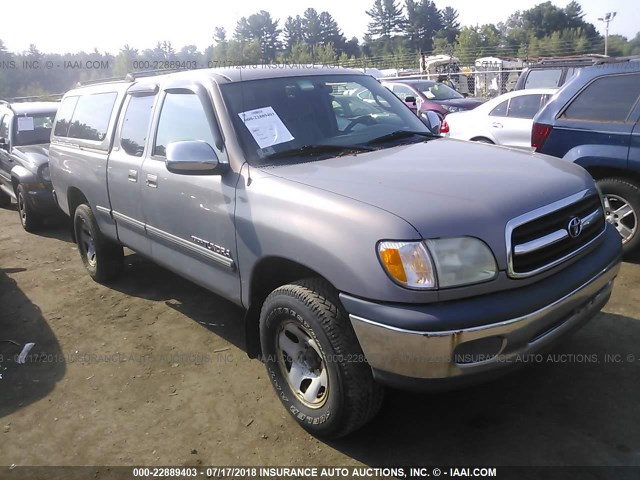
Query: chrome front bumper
(479, 350)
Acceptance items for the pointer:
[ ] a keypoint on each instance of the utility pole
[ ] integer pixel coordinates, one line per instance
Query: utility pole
(606, 19)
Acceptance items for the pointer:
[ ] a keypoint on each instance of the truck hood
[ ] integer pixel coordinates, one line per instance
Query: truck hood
(33, 155)
(447, 187)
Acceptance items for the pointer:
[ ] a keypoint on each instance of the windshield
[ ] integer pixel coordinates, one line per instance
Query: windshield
(33, 129)
(316, 116)
(436, 91)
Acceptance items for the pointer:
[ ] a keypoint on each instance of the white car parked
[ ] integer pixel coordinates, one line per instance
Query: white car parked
(504, 120)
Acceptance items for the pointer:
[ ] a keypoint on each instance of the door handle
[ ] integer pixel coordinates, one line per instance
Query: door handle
(152, 181)
(133, 176)
(496, 125)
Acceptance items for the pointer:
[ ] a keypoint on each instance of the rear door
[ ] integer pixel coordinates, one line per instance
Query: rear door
(600, 115)
(514, 129)
(124, 171)
(190, 218)
(634, 147)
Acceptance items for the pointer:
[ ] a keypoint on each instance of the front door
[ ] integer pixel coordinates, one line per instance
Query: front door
(190, 218)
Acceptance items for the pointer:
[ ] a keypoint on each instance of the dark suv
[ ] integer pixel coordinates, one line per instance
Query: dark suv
(25, 128)
(594, 121)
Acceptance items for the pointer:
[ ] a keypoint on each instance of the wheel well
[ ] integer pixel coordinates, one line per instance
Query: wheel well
(477, 139)
(603, 172)
(269, 274)
(75, 198)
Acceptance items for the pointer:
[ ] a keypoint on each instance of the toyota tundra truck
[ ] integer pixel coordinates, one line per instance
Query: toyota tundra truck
(365, 250)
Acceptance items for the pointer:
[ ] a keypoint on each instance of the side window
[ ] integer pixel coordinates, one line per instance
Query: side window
(525, 106)
(607, 99)
(543, 78)
(4, 127)
(63, 117)
(182, 118)
(403, 91)
(500, 110)
(91, 117)
(135, 124)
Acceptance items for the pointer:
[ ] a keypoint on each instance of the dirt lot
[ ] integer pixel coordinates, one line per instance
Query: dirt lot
(151, 370)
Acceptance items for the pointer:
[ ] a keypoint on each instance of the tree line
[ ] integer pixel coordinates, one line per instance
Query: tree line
(398, 32)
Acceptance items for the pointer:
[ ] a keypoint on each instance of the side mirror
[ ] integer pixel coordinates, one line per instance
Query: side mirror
(193, 157)
(4, 144)
(432, 120)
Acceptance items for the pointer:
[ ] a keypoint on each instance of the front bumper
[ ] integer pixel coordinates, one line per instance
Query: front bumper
(444, 357)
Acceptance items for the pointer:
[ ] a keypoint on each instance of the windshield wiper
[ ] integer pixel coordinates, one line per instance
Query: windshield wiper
(319, 149)
(398, 134)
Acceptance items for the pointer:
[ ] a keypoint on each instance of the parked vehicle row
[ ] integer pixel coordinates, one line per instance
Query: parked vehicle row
(365, 250)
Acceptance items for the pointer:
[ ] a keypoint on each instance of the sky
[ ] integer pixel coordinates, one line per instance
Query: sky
(75, 25)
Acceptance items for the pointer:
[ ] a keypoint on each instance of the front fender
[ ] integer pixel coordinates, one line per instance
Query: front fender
(20, 174)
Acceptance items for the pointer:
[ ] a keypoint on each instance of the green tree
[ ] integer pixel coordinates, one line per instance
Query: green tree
(293, 32)
(386, 19)
(450, 24)
(260, 28)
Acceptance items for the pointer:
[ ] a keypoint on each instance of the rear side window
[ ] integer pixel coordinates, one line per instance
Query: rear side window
(525, 106)
(91, 117)
(182, 118)
(500, 110)
(547, 78)
(63, 117)
(135, 124)
(607, 99)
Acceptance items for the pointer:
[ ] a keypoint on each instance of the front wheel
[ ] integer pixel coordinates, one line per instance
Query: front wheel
(314, 360)
(29, 218)
(103, 259)
(622, 206)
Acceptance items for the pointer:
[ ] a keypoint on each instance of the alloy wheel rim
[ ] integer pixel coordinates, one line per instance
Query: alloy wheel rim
(302, 364)
(88, 245)
(22, 209)
(621, 215)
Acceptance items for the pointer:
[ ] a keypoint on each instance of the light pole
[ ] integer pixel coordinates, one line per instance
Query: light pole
(606, 19)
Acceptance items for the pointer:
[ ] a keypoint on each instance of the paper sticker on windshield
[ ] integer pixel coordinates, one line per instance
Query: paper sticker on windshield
(429, 94)
(266, 127)
(25, 123)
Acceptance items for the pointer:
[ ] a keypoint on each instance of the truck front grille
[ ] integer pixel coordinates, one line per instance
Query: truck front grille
(550, 235)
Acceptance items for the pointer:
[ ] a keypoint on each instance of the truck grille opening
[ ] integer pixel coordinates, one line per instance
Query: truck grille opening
(550, 238)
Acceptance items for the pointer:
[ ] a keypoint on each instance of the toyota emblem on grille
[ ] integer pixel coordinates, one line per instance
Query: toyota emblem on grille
(575, 227)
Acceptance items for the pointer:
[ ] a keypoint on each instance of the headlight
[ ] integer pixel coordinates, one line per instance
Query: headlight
(462, 261)
(445, 262)
(408, 263)
(44, 173)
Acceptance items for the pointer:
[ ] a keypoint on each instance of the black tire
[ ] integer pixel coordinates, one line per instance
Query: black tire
(103, 259)
(311, 310)
(616, 192)
(5, 199)
(30, 219)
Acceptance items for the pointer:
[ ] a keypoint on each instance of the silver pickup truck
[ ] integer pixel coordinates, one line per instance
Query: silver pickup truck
(366, 251)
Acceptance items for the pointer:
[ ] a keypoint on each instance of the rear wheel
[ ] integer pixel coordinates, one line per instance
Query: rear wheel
(314, 360)
(103, 259)
(622, 206)
(30, 219)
